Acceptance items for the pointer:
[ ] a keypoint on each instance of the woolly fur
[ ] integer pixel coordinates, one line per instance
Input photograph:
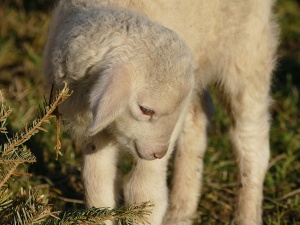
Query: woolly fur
(139, 70)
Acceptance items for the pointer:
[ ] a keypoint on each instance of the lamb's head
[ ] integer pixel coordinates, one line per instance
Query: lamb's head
(142, 102)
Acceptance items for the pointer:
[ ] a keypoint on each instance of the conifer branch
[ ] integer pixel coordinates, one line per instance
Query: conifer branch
(5, 199)
(46, 113)
(13, 160)
(13, 153)
(4, 114)
(9, 174)
(28, 208)
(124, 216)
(22, 156)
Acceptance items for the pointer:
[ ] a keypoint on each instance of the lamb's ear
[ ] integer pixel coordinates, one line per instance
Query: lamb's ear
(109, 97)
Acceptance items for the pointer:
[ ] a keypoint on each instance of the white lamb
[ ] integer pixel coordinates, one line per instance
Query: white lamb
(138, 69)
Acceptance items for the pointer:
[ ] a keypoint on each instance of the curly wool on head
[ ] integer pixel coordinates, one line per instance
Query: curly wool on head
(108, 35)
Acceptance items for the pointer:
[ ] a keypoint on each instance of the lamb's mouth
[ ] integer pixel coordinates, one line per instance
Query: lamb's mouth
(137, 150)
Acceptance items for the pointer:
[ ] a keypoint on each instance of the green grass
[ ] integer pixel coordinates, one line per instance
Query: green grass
(23, 30)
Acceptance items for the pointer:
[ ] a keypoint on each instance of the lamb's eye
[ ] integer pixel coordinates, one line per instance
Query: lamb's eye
(147, 112)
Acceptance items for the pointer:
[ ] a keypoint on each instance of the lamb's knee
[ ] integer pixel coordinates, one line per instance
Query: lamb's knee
(147, 183)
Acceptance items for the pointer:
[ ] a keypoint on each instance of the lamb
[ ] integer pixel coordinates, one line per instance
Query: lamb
(139, 70)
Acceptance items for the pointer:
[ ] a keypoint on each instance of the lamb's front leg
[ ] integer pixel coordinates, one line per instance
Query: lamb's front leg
(99, 173)
(147, 182)
(188, 165)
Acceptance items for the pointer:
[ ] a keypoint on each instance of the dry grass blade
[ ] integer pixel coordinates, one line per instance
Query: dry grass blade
(290, 194)
(58, 143)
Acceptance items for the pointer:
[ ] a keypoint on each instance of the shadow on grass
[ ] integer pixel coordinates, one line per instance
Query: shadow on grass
(288, 66)
(63, 177)
(29, 6)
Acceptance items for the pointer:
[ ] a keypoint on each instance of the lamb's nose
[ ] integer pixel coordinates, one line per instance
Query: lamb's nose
(159, 155)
